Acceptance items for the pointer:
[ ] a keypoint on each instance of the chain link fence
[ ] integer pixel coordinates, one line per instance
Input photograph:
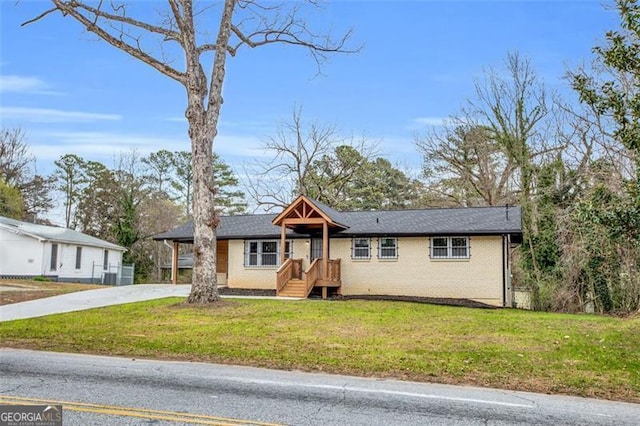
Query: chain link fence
(115, 274)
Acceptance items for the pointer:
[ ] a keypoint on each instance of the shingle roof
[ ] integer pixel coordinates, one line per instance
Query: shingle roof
(451, 221)
(55, 234)
(335, 215)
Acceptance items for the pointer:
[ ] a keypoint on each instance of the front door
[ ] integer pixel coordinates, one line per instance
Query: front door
(316, 249)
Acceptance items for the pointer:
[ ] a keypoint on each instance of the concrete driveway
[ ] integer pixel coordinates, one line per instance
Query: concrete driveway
(90, 299)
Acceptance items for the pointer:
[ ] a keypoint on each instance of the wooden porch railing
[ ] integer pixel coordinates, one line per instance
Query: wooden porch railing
(290, 269)
(333, 272)
(311, 275)
(284, 274)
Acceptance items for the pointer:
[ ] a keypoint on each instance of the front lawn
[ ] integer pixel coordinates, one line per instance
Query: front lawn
(555, 353)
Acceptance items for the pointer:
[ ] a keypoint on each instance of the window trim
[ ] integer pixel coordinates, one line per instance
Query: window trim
(449, 247)
(105, 260)
(53, 261)
(395, 248)
(259, 253)
(78, 257)
(353, 248)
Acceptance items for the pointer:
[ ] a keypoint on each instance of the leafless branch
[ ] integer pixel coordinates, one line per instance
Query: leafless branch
(39, 17)
(74, 9)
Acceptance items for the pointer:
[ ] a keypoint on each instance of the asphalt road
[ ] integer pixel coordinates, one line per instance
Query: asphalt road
(99, 390)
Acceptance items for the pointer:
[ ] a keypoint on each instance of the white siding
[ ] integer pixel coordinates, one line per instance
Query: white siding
(91, 263)
(20, 255)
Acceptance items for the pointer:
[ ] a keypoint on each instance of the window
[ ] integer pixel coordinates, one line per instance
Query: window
(265, 252)
(459, 247)
(450, 247)
(288, 249)
(361, 248)
(54, 257)
(388, 248)
(78, 257)
(105, 260)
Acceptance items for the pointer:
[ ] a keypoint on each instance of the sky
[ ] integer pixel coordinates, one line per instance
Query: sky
(419, 59)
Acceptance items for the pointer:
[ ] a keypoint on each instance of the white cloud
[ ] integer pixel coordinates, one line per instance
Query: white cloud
(239, 146)
(430, 121)
(177, 119)
(100, 146)
(24, 84)
(45, 115)
(103, 146)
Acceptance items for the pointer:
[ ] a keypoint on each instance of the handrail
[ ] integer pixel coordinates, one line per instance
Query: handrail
(292, 269)
(284, 274)
(285, 264)
(311, 275)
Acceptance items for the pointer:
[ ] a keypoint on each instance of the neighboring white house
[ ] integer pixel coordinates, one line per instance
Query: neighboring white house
(30, 250)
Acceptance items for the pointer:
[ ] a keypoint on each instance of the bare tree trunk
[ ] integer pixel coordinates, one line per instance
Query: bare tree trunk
(204, 287)
(203, 125)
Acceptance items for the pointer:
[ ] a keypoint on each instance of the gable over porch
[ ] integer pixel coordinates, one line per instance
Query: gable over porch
(307, 216)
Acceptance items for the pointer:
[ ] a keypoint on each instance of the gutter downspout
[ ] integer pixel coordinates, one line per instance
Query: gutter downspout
(504, 272)
(43, 264)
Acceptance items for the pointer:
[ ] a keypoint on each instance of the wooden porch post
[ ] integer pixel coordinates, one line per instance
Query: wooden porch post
(174, 263)
(325, 250)
(283, 242)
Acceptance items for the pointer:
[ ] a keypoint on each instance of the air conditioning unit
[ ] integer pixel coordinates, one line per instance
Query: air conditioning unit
(110, 278)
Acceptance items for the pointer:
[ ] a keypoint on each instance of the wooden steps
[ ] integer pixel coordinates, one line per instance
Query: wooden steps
(294, 288)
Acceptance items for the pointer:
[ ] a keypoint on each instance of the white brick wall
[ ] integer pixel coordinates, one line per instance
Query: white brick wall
(412, 274)
(415, 274)
(258, 277)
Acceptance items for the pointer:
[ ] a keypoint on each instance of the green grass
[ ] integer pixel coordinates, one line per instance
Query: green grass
(556, 353)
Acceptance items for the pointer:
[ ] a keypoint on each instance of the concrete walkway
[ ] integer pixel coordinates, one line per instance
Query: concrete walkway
(90, 299)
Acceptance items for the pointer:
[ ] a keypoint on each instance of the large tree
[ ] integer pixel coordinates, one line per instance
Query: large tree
(348, 180)
(466, 166)
(95, 204)
(228, 198)
(159, 169)
(613, 94)
(309, 158)
(10, 201)
(17, 170)
(70, 179)
(609, 212)
(183, 27)
(490, 153)
(15, 158)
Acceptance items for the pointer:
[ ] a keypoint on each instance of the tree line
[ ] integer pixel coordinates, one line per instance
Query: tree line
(136, 198)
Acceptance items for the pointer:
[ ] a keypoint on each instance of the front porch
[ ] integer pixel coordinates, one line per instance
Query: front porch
(308, 217)
(292, 281)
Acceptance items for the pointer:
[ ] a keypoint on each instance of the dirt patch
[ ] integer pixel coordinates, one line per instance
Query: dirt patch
(226, 291)
(17, 296)
(415, 299)
(16, 291)
(204, 306)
